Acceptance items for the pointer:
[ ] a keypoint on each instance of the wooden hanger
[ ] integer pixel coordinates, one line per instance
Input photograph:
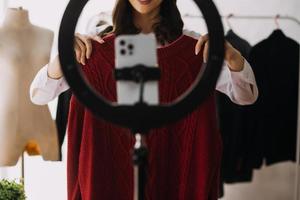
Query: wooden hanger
(276, 21)
(227, 20)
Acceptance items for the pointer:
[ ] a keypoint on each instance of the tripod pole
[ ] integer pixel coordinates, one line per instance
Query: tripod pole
(140, 155)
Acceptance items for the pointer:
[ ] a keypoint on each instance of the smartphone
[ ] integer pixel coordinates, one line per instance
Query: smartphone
(131, 50)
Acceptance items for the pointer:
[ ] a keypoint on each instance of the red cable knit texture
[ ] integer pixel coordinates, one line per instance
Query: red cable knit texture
(184, 158)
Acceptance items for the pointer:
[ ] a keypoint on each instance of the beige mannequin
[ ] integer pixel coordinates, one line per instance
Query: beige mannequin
(24, 49)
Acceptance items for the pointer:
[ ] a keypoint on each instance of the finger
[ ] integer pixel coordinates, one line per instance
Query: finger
(88, 46)
(77, 53)
(202, 40)
(228, 50)
(98, 39)
(83, 58)
(227, 45)
(82, 50)
(86, 41)
(205, 51)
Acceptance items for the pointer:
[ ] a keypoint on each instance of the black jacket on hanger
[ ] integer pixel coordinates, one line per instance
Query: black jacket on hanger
(272, 129)
(231, 121)
(62, 115)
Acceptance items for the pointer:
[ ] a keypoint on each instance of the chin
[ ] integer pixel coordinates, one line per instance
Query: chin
(145, 6)
(144, 10)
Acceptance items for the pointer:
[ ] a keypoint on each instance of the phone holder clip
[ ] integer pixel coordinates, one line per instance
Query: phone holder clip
(138, 73)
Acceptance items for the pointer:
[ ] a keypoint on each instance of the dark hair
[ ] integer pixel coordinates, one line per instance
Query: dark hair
(167, 29)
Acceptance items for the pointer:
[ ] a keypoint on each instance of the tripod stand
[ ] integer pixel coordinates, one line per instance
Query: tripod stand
(139, 74)
(139, 158)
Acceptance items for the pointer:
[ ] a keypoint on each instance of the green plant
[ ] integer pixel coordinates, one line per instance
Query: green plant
(11, 190)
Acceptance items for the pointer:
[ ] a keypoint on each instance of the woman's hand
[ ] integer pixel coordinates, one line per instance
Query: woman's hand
(233, 57)
(83, 46)
(83, 51)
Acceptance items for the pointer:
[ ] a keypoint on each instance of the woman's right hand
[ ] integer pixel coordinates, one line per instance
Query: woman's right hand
(83, 51)
(83, 46)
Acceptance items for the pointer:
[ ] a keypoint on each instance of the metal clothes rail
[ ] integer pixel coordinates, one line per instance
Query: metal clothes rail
(251, 17)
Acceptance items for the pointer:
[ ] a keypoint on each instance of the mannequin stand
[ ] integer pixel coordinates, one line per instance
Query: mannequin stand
(22, 170)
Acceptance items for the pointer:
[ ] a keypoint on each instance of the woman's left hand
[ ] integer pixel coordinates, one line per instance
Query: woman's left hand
(233, 57)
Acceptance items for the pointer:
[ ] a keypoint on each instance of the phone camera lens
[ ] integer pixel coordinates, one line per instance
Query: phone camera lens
(130, 46)
(122, 42)
(123, 51)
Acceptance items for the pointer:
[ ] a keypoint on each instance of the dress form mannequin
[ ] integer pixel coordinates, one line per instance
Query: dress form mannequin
(24, 49)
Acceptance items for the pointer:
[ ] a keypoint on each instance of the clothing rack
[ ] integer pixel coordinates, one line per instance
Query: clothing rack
(251, 17)
(233, 16)
(275, 18)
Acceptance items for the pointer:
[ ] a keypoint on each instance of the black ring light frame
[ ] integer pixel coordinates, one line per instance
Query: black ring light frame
(141, 117)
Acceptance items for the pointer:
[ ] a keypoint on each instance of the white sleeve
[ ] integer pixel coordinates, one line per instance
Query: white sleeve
(240, 87)
(44, 89)
(192, 34)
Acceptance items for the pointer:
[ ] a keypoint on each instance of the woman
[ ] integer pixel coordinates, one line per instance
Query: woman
(184, 157)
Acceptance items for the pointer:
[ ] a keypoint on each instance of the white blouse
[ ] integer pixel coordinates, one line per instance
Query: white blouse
(240, 87)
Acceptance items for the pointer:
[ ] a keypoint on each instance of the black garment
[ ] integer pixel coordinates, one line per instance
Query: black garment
(231, 122)
(273, 125)
(239, 43)
(62, 115)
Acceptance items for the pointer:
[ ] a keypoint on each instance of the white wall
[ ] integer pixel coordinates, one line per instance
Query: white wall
(252, 30)
(47, 181)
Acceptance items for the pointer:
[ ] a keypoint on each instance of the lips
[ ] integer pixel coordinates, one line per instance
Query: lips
(145, 2)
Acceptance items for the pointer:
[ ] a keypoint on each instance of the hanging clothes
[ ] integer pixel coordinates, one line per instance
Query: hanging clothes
(272, 129)
(62, 116)
(231, 120)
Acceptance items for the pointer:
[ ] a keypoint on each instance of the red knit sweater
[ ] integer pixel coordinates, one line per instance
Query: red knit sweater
(184, 158)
